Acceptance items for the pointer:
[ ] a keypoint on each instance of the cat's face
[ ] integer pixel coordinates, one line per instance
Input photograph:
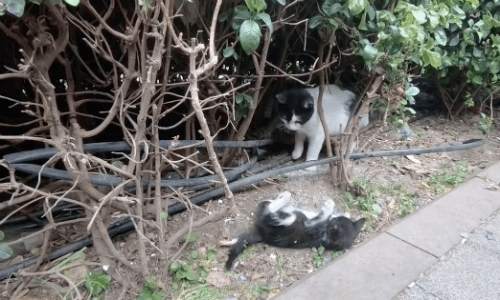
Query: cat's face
(343, 231)
(295, 108)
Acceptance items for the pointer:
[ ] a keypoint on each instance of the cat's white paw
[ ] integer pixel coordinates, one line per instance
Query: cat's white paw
(284, 196)
(297, 153)
(329, 204)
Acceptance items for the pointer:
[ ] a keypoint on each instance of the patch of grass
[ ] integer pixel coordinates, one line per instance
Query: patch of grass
(367, 204)
(450, 177)
(192, 271)
(191, 237)
(407, 199)
(337, 254)
(151, 291)
(248, 252)
(203, 292)
(96, 284)
(259, 289)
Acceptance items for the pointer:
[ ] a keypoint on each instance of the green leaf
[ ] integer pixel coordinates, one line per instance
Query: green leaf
(2, 235)
(267, 20)
(5, 252)
(419, 15)
(241, 12)
(372, 14)
(412, 91)
(494, 67)
(477, 79)
(190, 274)
(376, 208)
(211, 254)
(443, 10)
(173, 267)
(356, 6)
(256, 5)
(282, 2)
(411, 110)
(228, 52)
(223, 16)
(454, 41)
(362, 23)
(2, 10)
(458, 12)
(429, 44)
(97, 283)
(477, 52)
(72, 2)
(440, 37)
(433, 18)
(194, 254)
(15, 7)
(331, 7)
(244, 99)
(315, 21)
(249, 36)
(432, 58)
(369, 53)
(321, 250)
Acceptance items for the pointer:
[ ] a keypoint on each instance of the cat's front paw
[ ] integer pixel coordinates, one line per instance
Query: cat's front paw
(297, 153)
(329, 205)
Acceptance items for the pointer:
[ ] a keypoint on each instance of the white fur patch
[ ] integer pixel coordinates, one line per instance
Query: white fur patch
(288, 220)
(280, 201)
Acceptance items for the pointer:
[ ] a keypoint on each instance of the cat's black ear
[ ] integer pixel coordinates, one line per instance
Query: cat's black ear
(359, 224)
(281, 98)
(308, 103)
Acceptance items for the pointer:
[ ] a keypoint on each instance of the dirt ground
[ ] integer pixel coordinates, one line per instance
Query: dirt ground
(264, 271)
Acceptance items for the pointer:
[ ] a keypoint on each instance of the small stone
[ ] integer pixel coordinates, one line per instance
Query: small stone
(218, 279)
(242, 278)
(490, 236)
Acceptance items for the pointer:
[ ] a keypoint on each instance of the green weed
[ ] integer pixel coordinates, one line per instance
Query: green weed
(191, 237)
(248, 252)
(192, 271)
(318, 258)
(367, 204)
(203, 292)
(151, 291)
(96, 284)
(450, 177)
(336, 254)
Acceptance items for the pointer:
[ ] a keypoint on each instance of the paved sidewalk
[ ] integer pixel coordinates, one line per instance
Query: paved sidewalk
(421, 251)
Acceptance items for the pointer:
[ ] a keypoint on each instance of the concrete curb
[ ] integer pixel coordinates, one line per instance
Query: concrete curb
(385, 265)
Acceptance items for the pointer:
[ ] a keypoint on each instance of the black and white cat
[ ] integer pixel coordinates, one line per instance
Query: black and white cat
(279, 223)
(298, 110)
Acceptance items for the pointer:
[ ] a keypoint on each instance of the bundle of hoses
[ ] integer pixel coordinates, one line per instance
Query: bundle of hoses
(237, 185)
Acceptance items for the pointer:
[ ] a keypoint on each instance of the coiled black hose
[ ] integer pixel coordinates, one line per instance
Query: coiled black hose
(127, 225)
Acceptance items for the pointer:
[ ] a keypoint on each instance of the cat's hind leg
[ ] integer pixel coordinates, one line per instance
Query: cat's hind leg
(280, 201)
(244, 240)
(326, 211)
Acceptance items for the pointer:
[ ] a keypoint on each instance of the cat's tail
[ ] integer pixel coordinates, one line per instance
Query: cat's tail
(244, 240)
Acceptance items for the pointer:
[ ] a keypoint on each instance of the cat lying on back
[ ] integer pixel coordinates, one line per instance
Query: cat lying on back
(298, 110)
(279, 223)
